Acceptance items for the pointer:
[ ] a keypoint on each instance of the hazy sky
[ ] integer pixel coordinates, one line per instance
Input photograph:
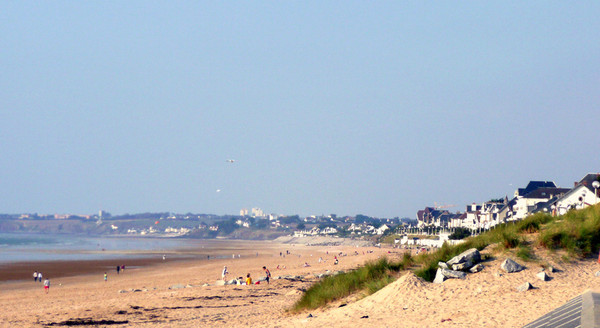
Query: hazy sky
(378, 108)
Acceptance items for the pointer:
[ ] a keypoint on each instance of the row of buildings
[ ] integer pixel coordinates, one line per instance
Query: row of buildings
(537, 196)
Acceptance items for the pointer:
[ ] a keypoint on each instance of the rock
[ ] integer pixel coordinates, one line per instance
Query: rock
(310, 315)
(552, 269)
(231, 282)
(524, 287)
(442, 265)
(205, 285)
(542, 276)
(443, 274)
(121, 291)
(451, 274)
(597, 274)
(476, 268)
(189, 286)
(293, 278)
(511, 266)
(462, 266)
(471, 255)
(177, 286)
(136, 290)
(220, 283)
(439, 277)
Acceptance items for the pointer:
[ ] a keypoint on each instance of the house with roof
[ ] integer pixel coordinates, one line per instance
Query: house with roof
(458, 221)
(429, 216)
(526, 205)
(530, 199)
(581, 196)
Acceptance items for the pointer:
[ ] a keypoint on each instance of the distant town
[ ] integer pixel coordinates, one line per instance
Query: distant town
(254, 223)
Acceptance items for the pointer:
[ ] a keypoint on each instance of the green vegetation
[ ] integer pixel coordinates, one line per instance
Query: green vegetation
(577, 232)
(371, 277)
(460, 233)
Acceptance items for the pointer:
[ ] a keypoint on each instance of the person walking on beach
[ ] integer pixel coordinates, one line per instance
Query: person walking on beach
(248, 279)
(267, 273)
(40, 276)
(224, 273)
(118, 269)
(105, 277)
(47, 285)
(35, 276)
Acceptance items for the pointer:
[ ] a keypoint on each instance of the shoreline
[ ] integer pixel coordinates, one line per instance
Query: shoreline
(196, 252)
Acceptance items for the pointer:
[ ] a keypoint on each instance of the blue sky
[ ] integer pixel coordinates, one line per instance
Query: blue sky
(377, 108)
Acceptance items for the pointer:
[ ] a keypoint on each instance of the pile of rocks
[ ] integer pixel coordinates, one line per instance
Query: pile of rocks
(458, 266)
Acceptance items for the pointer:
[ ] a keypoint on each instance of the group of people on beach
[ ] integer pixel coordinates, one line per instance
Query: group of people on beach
(248, 281)
(37, 276)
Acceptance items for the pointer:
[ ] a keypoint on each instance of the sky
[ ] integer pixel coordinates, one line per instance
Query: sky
(344, 107)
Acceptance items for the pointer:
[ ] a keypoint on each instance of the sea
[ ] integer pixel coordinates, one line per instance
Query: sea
(19, 247)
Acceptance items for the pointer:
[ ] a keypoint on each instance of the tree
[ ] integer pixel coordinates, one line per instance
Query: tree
(301, 226)
(460, 233)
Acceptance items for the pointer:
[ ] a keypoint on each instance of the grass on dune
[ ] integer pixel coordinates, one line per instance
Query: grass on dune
(370, 277)
(578, 232)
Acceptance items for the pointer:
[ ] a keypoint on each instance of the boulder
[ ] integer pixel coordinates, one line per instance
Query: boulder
(476, 268)
(232, 282)
(511, 266)
(439, 277)
(471, 255)
(442, 265)
(462, 266)
(121, 291)
(525, 287)
(220, 283)
(443, 274)
(542, 276)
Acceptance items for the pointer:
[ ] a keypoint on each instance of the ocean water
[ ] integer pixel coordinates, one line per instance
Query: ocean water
(43, 247)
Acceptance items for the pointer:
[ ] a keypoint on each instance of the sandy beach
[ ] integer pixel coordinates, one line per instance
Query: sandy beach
(174, 294)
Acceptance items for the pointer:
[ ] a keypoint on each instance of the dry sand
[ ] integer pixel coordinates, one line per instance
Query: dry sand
(484, 299)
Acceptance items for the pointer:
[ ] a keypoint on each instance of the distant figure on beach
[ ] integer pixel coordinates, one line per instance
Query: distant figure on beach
(35, 276)
(248, 279)
(224, 273)
(267, 273)
(47, 285)
(118, 269)
(164, 257)
(123, 268)
(105, 277)
(320, 259)
(40, 276)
